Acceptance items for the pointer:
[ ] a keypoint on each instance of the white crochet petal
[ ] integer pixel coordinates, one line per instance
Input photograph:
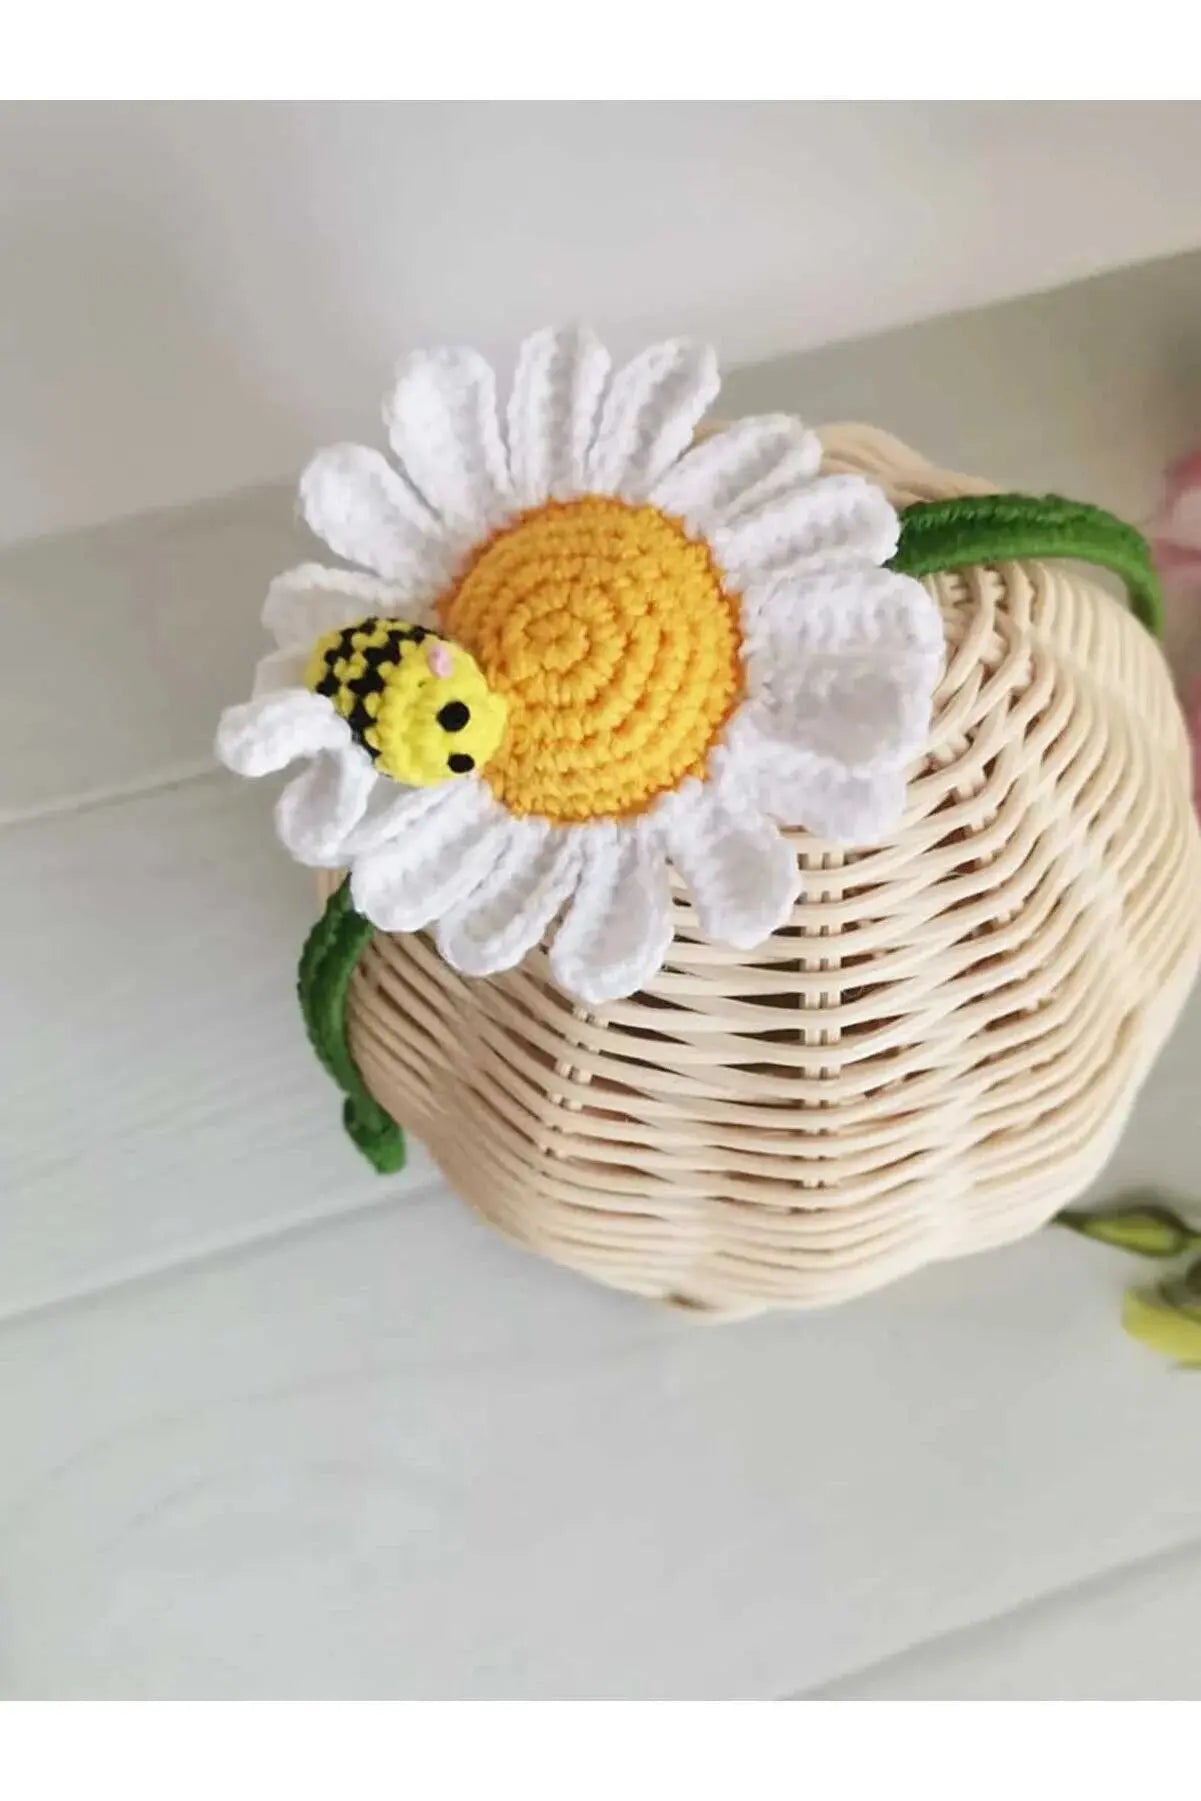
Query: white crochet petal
(743, 877)
(651, 410)
(509, 912)
(442, 421)
(715, 480)
(266, 734)
(352, 497)
(449, 848)
(844, 664)
(619, 926)
(797, 787)
(281, 669)
(835, 517)
(553, 412)
(391, 812)
(316, 810)
(305, 603)
(850, 809)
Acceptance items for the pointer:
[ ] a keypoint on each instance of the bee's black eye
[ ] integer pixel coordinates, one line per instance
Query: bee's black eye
(453, 716)
(460, 764)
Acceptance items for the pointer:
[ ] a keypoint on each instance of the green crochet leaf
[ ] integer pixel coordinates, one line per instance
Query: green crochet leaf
(327, 962)
(1149, 1230)
(938, 535)
(1167, 1318)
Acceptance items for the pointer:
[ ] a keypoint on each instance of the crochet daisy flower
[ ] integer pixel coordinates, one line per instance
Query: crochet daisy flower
(588, 652)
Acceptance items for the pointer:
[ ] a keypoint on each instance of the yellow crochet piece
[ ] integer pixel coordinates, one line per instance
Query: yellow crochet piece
(1165, 1321)
(608, 632)
(418, 704)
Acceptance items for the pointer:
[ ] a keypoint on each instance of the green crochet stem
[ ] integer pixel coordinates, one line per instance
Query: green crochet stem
(329, 959)
(936, 536)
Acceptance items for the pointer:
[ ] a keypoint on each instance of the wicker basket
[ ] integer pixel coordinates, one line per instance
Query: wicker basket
(937, 1053)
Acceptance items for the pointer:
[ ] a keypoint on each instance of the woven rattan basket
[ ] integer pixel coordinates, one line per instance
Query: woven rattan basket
(934, 1056)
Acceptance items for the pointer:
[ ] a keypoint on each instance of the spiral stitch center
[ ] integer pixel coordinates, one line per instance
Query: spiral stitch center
(618, 650)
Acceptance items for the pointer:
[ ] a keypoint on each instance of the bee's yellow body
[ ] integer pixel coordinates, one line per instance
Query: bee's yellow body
(417, 703)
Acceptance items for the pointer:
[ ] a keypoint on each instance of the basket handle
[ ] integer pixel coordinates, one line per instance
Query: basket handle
(937, 535)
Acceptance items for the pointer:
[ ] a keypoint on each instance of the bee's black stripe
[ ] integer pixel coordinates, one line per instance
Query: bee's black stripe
(377, 659)
(360, 721)
(370, 682)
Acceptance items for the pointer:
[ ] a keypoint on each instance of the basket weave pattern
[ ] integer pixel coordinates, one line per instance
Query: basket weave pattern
(934, 1056)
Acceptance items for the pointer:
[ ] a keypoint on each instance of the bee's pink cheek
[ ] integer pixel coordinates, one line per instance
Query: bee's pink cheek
(440, 660)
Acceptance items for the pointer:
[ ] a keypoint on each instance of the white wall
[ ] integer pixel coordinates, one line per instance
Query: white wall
(192, 296)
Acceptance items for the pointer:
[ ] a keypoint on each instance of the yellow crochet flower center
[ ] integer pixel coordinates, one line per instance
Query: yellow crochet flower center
(610, 635)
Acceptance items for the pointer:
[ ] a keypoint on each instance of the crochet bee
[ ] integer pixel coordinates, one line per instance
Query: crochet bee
(418, 704)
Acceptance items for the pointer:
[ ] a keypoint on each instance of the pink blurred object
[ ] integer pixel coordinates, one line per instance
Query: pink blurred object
(1176, 533)
(1175, 538)
(1193, 715)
